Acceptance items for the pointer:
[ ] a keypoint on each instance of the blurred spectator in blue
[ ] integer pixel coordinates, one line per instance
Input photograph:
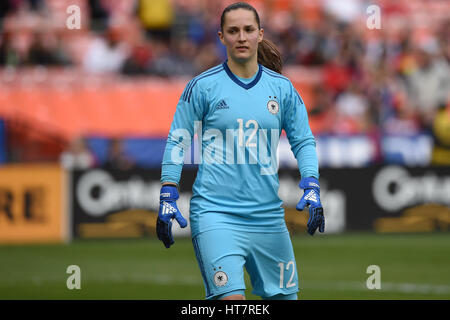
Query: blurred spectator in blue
(176, 62)
(197, 29)
(117, 158)
(106, 54)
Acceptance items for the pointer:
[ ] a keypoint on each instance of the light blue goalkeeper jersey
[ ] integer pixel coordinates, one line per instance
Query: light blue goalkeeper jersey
(238, 123)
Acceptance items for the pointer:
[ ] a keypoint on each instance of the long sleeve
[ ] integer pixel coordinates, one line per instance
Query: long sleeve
(301, 139)
(190, 108)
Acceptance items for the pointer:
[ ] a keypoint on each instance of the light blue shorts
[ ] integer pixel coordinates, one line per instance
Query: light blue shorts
(268, 258)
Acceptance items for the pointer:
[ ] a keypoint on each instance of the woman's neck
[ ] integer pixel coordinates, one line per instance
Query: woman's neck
(243, 70)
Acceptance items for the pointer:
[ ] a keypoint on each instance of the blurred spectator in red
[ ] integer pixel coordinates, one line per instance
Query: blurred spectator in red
(77, 156)
(140, 58)
(106, 54)
(429, 84)
(9, 56)
(337, 74)
(156, 17)
(321, 114)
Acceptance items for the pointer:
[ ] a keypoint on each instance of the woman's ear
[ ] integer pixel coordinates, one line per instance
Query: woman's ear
(220, 34)
(261, 35)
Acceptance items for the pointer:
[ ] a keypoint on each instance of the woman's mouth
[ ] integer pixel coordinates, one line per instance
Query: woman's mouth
(242, 48)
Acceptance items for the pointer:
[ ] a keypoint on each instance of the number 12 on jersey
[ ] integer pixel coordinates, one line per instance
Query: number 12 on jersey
(252, 133)
(289, 266)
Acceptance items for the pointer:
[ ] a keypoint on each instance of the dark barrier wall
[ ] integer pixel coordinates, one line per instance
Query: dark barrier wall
(121, 204)
(391, 198)
(382, 199)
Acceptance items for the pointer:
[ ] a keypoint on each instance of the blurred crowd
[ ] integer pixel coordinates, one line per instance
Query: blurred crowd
(396, 81)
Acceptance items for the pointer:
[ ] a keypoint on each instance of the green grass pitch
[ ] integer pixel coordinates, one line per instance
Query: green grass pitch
(414, 266)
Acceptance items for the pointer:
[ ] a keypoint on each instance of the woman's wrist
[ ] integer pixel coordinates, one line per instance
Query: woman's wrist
(169, 184)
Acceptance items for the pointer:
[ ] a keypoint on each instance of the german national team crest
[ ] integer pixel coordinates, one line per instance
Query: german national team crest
(220, 278)
(273, 106)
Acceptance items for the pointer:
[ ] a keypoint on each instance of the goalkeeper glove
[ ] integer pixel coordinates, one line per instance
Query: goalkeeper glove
(311, 198)
(168, 210)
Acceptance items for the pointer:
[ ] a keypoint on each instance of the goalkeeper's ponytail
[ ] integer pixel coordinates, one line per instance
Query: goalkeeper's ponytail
(269, 56)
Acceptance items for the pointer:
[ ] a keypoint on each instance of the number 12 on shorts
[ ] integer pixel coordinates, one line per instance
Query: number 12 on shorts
(290, 266)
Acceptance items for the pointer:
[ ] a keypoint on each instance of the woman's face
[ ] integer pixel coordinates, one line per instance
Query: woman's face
(241, 35)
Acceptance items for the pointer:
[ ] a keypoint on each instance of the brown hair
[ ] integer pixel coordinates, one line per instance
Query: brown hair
(268, 54)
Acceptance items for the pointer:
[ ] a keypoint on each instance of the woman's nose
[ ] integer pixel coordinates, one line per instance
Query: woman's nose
(242, 36)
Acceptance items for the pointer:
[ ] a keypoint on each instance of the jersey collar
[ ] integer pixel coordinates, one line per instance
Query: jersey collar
(239, 82)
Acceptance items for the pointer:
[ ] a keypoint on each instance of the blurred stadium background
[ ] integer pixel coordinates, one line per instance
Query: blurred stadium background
(84, 115)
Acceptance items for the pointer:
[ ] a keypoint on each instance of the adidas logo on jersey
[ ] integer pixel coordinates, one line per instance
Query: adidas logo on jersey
(311, 196)
(222, 105)
(168, 209)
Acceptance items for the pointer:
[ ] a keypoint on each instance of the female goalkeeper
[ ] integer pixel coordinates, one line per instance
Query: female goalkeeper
(238, 110)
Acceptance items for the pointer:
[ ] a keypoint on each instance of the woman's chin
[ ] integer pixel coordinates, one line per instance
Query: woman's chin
(241, 58)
